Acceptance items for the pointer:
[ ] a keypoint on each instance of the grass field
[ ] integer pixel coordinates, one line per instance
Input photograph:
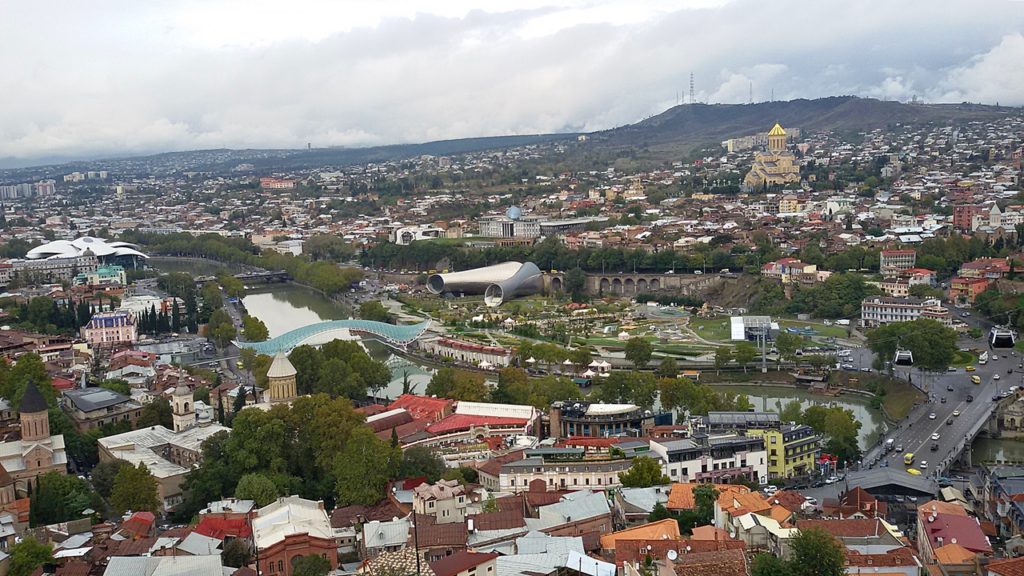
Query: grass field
(821, 329)
(899, 396)
(714, 329)
(961, 359)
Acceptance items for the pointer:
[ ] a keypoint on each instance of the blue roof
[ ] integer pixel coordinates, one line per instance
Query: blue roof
(393, 334)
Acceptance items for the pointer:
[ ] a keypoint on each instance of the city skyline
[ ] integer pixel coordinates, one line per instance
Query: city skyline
(134, 79)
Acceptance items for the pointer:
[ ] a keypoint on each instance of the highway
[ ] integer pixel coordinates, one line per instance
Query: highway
(915, 432)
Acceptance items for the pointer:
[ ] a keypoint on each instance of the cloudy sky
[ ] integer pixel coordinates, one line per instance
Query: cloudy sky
(102, 77)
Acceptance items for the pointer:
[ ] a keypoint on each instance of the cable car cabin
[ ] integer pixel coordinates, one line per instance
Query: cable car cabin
(1002, 337)
(903, 358)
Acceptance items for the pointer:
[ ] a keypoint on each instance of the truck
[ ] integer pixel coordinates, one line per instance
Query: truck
(890, 444)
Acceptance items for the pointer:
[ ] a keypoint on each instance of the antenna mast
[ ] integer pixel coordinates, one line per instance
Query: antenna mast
(693, 99)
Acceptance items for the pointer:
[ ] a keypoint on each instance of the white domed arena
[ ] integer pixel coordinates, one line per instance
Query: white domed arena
(98, 247)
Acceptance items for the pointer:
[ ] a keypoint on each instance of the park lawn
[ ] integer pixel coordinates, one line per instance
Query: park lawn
(714, 329)
(962, 359)
(899, 396)
(821, 329)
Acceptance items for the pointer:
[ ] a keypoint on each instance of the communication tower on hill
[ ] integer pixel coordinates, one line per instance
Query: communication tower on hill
(693, 98)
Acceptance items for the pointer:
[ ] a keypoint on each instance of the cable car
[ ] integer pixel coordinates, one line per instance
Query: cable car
(903, 358)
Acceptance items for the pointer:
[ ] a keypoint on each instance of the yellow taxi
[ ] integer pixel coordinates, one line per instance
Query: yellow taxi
(913, 471)
(971, 368)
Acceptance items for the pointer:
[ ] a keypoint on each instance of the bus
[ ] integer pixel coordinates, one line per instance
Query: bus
(908, 458)
(983, 359)
(976, 379)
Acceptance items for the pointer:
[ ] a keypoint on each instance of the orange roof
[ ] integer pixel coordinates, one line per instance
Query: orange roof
(780, 514)
(937, 507)
(710, 533)
(1009, 567)
(737, 504)
(667, 529)
(953, 554)
(681, 496)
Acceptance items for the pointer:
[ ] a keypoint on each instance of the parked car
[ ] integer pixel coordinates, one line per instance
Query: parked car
(949, 388)
(924, 464)
(935, 436)
(931, 416)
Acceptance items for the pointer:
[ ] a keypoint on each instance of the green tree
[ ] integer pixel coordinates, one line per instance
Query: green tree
(156, 413)
(792, 411)
(768, 565)
(723, 355)
(311, 565)
(221, 328)
(745, 353)
(253, 329)
(28, 555)
(103, 476)
(932, 345)
(638, 351)
(258, 488)
(236, 553)
(643, 473)
(787, 345)
(201, 393)
(576, 284)
(117, 385)
(421, 461)
(134, 489)
(815, 552)
(374, 310)
(458, 385)
(704, 497)
(668, 368)
(363, 467)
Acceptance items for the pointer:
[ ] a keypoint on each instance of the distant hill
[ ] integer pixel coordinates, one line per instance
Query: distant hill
(689, 125)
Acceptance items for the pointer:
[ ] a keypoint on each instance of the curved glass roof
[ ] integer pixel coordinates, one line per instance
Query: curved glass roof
(395, 335)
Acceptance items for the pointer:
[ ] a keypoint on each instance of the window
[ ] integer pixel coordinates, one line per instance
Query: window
(280, 565)
(270, 566)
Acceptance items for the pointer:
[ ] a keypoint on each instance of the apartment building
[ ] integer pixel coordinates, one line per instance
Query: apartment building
(718, 458)
(891, 262)
(879, 310)
(792, 450)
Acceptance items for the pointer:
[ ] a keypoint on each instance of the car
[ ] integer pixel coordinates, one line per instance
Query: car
(865, 369)
(995, 376)
(949, 387)
(995, 398)
(956, 412)
(811, 500)
(913, 472)
(942, 400)
(771, 490)
(899, 447)
(818, 484)
(923, 465)
(951, 369)
(931, 416)
(935, 436)
(970, 368)
(884, 464)
(831, 480)
(966, 314)
(849, 367)
(935, 446)
(949, 421)
(970, 398)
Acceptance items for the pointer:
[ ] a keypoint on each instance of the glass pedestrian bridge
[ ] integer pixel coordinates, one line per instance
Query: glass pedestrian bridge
(396, 335)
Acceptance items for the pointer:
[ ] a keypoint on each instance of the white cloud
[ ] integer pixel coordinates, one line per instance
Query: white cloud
(113, 76)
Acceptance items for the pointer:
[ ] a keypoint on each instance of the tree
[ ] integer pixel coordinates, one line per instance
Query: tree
(704, 497)
(201, 393)
(638, 351)
(254, 330)
(236, 553)
(576, 284)
(768, 565)
(668, 368)
(792, 411)
(134, 489)
(311, 565)
(787, 344)
(374, 310)
(156, 413)
(59, 498)
(103, 476)
(363, 467)
(221, 328)
(745, 352)
(117, 385)
(815, 552)
(28, 555)
(932, 345)
(256, 487)
(421, 461)
(458, 385)
(723, 355)
(643, 473)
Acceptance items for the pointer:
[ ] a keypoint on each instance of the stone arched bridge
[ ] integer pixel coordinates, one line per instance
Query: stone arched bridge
(629, 284)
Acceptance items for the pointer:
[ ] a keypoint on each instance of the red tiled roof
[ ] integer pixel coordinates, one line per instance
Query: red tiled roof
(493, 466)
(1008, 567)
(894, 557)
(963, 529)
(350, 515)
(636, 550)
(718, 563)
(461, 560)
(422, 407)
(218, 528)
(139, 524)
(456, 422)
(847, 527)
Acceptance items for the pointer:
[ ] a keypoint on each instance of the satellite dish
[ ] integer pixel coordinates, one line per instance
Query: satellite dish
(672, 555)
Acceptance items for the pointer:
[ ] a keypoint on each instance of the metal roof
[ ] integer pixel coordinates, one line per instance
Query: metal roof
(91, 399)
(394, 334)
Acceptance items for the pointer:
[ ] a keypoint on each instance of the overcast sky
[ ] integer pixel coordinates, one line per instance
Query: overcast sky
(100, 77)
